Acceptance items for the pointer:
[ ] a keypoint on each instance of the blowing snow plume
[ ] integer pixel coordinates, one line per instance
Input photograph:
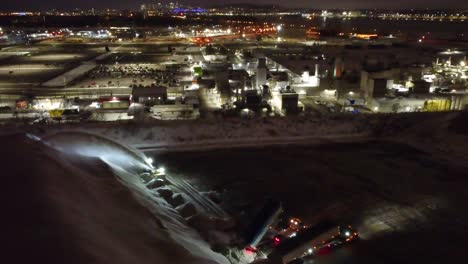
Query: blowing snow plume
(66, 207)
(97, 146)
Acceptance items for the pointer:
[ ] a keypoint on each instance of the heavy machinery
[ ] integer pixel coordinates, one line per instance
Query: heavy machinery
(310, 241)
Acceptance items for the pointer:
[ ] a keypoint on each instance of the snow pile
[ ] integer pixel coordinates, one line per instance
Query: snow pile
(418, 129)
(66, 207)
(197, 134)
(442, 133)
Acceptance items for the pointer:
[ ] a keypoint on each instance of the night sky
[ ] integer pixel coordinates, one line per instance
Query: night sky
(133, 4)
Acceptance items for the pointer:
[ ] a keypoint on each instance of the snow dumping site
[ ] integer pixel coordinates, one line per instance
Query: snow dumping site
(84, 193)
(131, 193)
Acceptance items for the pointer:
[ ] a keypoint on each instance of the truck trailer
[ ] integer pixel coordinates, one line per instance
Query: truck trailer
(310, 241)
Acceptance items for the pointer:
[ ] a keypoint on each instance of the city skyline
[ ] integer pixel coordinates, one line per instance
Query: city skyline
(31, 5)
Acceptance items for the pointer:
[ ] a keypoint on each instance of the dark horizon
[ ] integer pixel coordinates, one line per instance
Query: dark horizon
(33, 5)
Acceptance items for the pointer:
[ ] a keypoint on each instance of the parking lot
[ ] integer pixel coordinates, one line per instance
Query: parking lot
(28, 66)
(24, 75)
(33, 65)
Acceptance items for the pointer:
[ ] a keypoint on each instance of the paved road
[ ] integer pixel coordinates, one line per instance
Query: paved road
(251, 142)
(70, 92)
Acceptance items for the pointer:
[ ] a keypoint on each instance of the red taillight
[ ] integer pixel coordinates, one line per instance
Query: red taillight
(323, 251)
(250, 249)
(276, 241)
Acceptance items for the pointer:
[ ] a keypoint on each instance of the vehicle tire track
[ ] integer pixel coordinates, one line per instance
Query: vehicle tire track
(200, 200)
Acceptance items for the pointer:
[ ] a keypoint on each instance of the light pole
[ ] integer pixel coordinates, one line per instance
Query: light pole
(278, 30)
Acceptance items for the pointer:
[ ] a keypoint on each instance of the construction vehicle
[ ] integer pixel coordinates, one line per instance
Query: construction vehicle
(310, 242)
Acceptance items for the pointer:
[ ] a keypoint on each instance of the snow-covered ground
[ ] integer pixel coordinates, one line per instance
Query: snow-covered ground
(196, 133)
(423, 130)
(69, 76)
(83, 195)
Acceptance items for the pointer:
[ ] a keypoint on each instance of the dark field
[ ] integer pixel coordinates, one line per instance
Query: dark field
(408, 205)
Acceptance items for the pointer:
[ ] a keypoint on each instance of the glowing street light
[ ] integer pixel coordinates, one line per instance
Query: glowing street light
(279, 27)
